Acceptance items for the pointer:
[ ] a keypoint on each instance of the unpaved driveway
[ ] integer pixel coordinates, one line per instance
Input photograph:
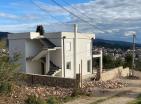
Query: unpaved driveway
(112, 96)
(129, 93)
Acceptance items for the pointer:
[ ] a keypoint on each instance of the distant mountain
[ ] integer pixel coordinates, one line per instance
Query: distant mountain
(3, 35)
(113, 44)
(96, 42)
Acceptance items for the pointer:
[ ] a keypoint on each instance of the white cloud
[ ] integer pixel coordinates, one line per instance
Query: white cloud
(20, 27)
(52, 9)
(113, 17)
(99, 12)
(17, 28)
(26, 16)
(6, 15)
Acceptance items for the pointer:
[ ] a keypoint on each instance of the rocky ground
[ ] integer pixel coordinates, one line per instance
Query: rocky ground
(90, 87)
(21, 92)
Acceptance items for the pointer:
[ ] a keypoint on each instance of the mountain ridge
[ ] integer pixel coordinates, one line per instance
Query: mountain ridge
(113, 44)
(96, 42)
(3, 35)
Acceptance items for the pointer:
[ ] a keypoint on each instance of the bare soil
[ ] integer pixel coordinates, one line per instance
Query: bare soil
(113, 96)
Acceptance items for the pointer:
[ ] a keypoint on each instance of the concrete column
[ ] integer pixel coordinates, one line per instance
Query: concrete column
(47, 62)
(64, 61)
(75, 49)
(101, 61)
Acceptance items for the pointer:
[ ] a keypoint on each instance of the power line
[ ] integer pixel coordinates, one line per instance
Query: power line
(46, 11)
(76, 9)
(65, 10)
(74, 14)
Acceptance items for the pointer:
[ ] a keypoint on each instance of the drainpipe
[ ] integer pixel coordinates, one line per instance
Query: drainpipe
(64, 55)
(92, 54)
(75, 50)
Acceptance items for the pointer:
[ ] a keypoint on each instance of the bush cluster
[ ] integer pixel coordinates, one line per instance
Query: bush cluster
(32, 99)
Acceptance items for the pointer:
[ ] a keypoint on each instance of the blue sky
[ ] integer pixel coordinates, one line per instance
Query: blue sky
(108, 19)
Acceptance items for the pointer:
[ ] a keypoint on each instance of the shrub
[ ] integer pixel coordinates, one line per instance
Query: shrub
(137, 101)
(53, 100)
(128, 61)
(5, 87)
(8, 68)
(32, 99)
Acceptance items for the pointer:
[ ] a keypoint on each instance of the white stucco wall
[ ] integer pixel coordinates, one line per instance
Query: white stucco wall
(56, 57)
(33, 67)
(115, 73)
(18, 46)
(69, 57)
(83, 52)
(33, 47)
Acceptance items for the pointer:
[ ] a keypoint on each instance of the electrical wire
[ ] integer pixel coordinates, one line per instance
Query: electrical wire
(77, 9)
(84, 15)
(65, 10)
(75, 14)
(46, 12)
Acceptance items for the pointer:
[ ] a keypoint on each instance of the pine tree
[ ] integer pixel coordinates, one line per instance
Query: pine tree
(40, 29)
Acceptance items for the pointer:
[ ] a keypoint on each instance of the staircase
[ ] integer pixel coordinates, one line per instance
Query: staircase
(47, 43)
(53, 68)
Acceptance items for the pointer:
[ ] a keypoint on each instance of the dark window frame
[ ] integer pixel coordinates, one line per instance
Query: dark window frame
(68, 65)
(88, 65)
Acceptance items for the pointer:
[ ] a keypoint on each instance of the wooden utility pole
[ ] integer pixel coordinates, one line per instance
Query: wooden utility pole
(132, 33)
(133, 60)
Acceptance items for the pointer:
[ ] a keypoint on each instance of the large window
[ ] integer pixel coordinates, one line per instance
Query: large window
(89, 66)
(68, 65)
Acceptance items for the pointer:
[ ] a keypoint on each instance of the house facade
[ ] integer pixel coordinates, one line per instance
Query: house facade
(62, 54)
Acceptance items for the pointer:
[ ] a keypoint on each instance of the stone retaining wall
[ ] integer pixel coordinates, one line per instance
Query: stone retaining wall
(115, 73)
(53, 81)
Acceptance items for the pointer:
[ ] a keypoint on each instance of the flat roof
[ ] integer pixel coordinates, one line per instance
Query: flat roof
(34, 35)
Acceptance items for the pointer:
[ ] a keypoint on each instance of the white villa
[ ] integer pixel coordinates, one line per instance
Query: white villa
(62, 54)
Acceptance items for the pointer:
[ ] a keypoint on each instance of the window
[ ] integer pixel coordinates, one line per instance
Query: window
(88, 66)
(68, 46)
(68, 65)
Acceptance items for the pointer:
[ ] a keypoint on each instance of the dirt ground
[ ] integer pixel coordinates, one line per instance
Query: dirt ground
(113, 96)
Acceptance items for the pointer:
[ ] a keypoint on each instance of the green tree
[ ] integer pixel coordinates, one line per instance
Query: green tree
(128, 61)
(96, 62)
(108, 62)
(40, 29)
(118, 62)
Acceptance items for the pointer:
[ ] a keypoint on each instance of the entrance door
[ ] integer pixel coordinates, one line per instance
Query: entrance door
(42, 68)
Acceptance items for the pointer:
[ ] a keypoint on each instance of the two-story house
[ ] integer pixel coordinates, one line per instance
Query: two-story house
(61, 54)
